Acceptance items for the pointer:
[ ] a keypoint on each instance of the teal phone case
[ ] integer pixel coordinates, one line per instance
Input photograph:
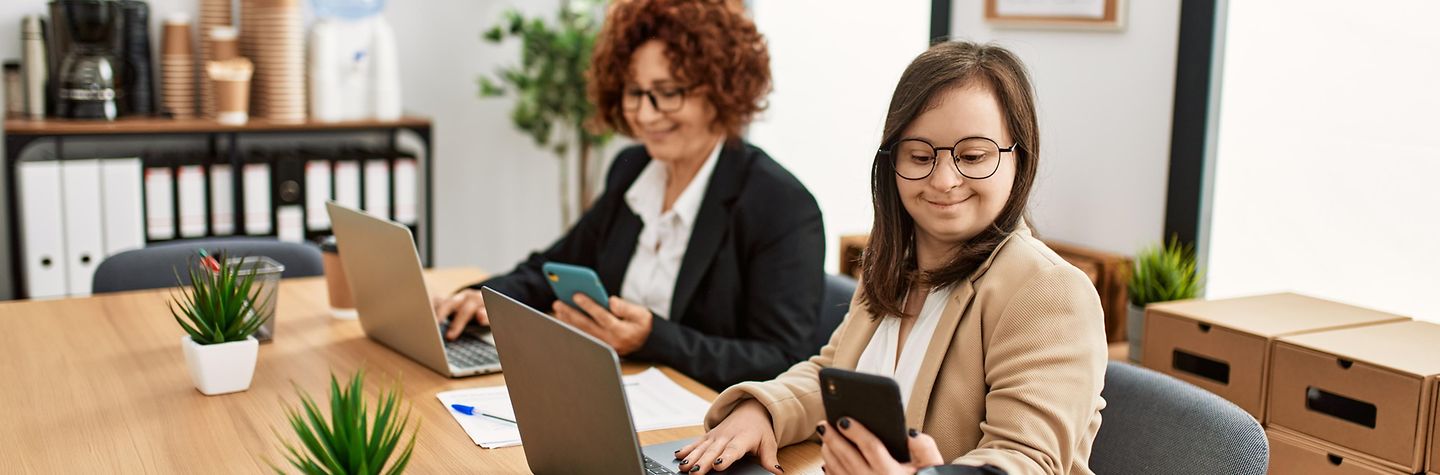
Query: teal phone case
(567, 280)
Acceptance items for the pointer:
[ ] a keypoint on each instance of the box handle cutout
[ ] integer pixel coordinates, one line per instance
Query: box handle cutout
(1344, 363)
(1341, 407)
(1201, 366)
(1335, 459)
(1204, 327)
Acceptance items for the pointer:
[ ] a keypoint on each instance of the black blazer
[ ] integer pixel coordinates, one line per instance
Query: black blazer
(748, 293)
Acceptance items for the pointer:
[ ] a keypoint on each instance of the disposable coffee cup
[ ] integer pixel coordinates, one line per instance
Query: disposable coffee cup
(342, 303)
(231, 80)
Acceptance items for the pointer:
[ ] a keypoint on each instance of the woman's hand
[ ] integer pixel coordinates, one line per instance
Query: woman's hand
(745, 431)
(466, 305)
(852, 449)
(625, 327)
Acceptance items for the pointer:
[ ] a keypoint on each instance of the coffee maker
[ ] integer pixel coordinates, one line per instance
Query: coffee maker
(101, 59)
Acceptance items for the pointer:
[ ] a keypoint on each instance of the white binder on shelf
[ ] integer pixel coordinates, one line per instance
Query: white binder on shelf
(291, 222)
(123, 204)
(42, 228)
(405, 191)
(257, 199)
(317, 192)
(84, 241)
(347, 183)
(222, 200)
(191, 181)
(159, 204)
(377, 188)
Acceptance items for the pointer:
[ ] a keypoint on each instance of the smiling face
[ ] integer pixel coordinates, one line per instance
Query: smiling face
(947, 207)
(688, 132)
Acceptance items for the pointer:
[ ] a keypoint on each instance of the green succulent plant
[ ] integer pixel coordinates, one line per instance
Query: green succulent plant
(1163, 273)
(351, 442)
(217, 307)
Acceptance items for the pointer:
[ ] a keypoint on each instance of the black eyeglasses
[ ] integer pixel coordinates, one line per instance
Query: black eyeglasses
(663, 98)
(975, 158)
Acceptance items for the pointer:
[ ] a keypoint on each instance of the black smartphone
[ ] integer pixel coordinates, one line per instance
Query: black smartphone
(872, 400)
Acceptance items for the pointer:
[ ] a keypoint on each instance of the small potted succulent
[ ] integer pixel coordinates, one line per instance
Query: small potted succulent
(219, 318)
(351, 442)
(1161, 274)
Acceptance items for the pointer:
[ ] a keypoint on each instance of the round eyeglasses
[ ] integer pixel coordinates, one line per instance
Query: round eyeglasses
(975, 158)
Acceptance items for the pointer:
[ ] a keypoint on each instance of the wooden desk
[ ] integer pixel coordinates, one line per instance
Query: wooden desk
(99, 385)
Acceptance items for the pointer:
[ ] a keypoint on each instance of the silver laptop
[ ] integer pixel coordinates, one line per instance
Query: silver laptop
(569, 400)
(388, 283)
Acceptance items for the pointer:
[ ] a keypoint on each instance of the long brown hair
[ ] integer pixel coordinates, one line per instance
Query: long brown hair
(889, 266)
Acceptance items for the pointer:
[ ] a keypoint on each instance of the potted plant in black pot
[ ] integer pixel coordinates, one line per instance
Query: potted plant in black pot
(220, 318)
(1161, 273)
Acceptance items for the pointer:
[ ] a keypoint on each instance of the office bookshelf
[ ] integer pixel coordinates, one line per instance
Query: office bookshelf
(227, 145)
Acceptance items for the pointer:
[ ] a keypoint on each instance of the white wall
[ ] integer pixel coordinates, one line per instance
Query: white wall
(1327, 155)
(1105, 103)
(496, 194)
(834, 72)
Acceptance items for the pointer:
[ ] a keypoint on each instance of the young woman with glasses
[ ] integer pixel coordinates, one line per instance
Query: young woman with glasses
(997, 344)
(710, 250)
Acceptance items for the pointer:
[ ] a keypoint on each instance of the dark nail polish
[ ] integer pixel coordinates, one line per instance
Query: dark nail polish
(719, 461)
(694, 469)
(685, 462)
(822, 468)
(781, 469)
(677, 451)
(914, 432)
(844, 422)
(820, 429)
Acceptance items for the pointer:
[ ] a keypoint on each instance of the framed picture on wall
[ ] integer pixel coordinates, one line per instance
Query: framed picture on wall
(1057, 14)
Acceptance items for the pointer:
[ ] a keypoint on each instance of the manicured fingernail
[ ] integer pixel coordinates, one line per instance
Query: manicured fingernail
(844, 422)
(781, 469)
(719, 461)
(685, 462)
(694, 469)
(677, 451)
(820, 429)
(913, 432)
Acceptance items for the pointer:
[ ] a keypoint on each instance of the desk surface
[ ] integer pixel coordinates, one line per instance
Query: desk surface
(100, 383)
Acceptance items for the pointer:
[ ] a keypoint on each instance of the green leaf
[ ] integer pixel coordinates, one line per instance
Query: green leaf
(1164, 273)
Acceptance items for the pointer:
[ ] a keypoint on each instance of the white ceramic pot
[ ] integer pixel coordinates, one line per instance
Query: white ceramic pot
(223, 368)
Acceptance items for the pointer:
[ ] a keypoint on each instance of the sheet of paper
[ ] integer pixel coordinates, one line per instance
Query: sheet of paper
(656, 402)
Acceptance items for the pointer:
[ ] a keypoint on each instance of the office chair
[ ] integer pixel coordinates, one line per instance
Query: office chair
(155, 266)
(1153, 423)
(834, 304)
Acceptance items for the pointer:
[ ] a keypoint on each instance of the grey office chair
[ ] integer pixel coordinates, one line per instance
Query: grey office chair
(834, 304)
(1153, 423)
(155, 266)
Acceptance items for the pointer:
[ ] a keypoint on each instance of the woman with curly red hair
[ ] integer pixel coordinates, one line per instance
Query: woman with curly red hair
(710, 249)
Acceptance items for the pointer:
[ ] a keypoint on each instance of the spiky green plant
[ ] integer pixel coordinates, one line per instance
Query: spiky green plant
(1163, 273)
(351, 442)
(218, 305)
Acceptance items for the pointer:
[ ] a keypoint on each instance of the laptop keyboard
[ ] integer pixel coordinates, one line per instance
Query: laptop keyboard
(469, 351)
(652, 468)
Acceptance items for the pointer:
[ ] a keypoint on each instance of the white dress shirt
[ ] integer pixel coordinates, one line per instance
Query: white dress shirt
(879, 355)
(650, 277)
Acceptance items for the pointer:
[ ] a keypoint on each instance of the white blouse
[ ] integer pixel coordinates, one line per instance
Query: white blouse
(879, 355)
(651, 275)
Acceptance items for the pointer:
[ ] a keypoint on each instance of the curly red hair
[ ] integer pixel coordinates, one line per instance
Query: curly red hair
(711, 44)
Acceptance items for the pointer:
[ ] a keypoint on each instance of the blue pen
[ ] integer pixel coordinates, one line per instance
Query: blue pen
(470, 411)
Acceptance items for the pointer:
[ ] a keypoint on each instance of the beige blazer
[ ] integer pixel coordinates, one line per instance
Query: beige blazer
(1012, 376)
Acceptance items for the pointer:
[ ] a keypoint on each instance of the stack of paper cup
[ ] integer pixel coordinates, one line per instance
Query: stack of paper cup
(224, 43)
(272, 35)
(177, 67)
(232, 89)
(213, 14)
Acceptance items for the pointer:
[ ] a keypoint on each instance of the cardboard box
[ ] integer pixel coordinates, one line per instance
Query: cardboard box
(1296, 454)
(1435, 432)
(1224, 345)
(1367, 389)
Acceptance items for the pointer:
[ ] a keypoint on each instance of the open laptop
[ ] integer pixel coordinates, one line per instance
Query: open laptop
(388, 283)
(569, 400)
